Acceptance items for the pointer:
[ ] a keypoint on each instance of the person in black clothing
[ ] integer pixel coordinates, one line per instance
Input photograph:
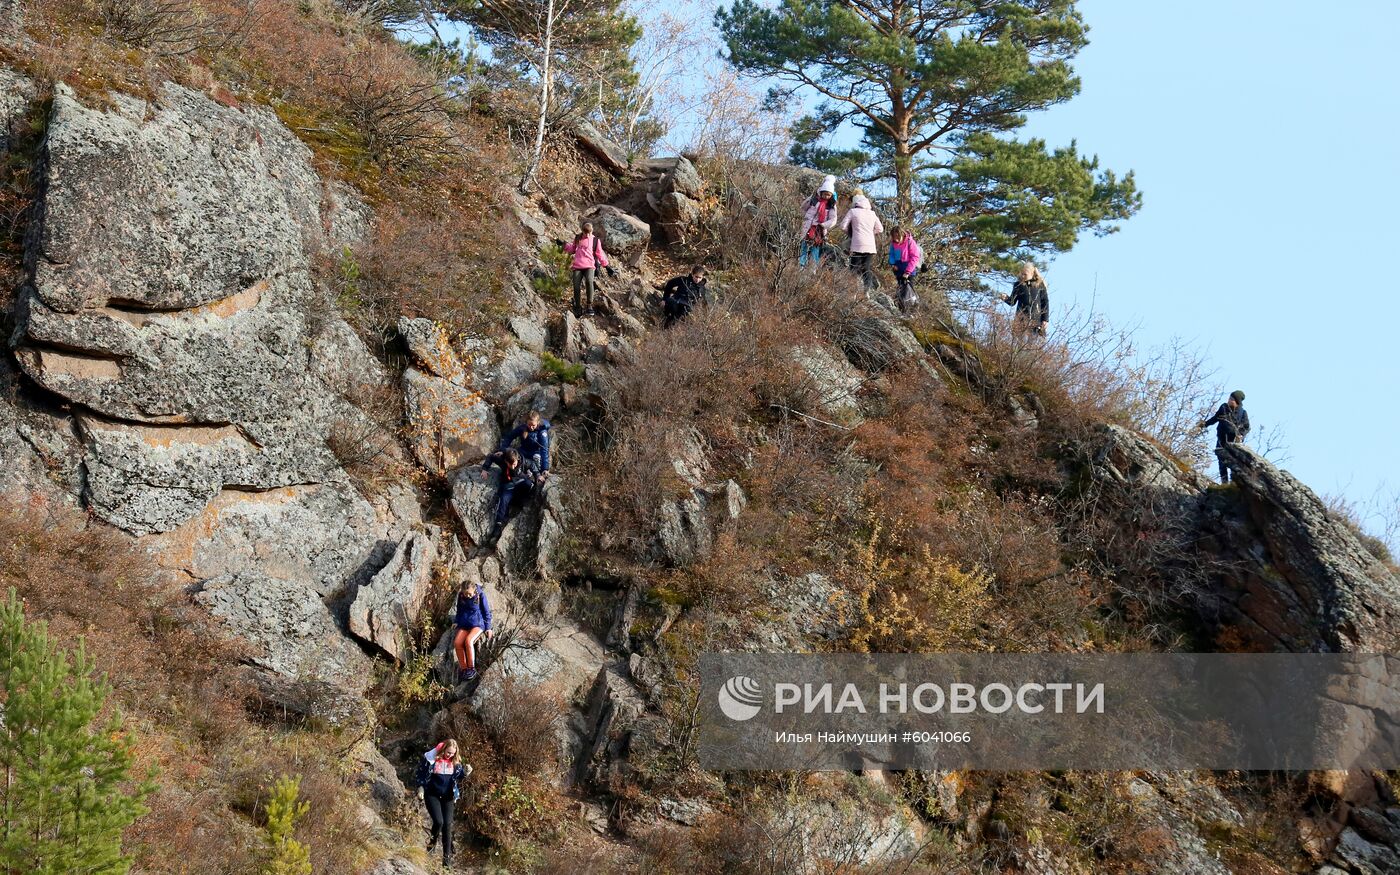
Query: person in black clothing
(519, 477)
(1031, 299)
(682, 294)
(439, 778)
(1231, 425)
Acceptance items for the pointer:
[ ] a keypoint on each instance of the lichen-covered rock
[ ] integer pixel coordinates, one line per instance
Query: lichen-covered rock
(622, 233)
(296, 641)
(474, 493)
(609, 154)
(431, 348)
(833, 382)
(447, 425)
(507, 375)
(385, 610)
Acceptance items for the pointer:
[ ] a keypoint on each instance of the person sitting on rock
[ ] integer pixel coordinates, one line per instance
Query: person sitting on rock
(589, 256)
(519, 477)
(818, 218)
(473, 620)
(1231, 425)
(1032, 301)
(533, 435)
(682, 294)
(905, 259)
(439, 777)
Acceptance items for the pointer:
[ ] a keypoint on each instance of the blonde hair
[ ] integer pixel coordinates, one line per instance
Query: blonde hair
(1027, 267)
(449, 744)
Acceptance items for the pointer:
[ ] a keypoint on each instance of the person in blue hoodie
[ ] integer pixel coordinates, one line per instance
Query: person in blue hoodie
(519, 477)
(439, 778)
(473, 620)
(533, 435)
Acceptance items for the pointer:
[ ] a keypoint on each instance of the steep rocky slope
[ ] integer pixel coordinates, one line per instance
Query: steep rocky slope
(177, 370)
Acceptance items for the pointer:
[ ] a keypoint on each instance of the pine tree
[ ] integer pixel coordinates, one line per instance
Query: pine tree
(68, 791)
(933, 84)
(286, 855)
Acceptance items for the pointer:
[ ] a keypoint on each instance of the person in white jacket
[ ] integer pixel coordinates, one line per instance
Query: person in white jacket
(862, 225)
(818, 218)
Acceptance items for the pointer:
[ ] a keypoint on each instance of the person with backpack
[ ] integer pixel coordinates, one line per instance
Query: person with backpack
(588, 258)
(905, 259)
(439, 777)
(519, 477)
(682, 294)
(533, 435)
(473, 619)
(1231, 425)
(862, 225)
(818, 218)
(1031, 299)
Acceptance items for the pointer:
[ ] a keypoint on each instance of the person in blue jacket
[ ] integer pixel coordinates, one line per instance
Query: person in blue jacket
(1231, 425)
(519, 477)
(533, 435)
(473, 620)
(439, 778)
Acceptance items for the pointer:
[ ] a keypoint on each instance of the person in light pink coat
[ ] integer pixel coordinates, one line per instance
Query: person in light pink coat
(862, 225)
(589, 256)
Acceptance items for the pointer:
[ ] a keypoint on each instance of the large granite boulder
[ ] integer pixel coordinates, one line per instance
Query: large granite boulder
(623, 234)
(386, 608)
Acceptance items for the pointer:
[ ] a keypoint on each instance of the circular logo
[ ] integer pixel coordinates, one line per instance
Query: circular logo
(740, 698)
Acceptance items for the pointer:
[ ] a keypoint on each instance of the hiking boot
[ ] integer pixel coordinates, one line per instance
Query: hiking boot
(590, 312)
(466, 674)
(432, 843)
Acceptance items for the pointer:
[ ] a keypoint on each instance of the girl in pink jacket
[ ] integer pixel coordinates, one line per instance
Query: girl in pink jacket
(906, 257)
(588, 254)
(818, 218)
(861, 223)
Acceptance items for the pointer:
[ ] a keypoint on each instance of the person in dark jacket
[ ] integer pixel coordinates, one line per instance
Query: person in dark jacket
(439, 778)
(533, 435)
(1231, 425)
(1031, 299)
(682, 294)
(473, 620)
(519, 477)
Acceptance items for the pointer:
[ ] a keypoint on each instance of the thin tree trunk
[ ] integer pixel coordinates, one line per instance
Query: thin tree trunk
(545, 72)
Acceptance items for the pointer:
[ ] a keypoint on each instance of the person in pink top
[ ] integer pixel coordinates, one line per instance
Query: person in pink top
(906, 257)
(861, 224)
(589, 256)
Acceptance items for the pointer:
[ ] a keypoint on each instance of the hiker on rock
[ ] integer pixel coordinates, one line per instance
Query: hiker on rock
(1031, 299)
(473, 619)
(439, 778)
(533, 435)
(862, 225)
(682, 294)
(818, 218)
(906, 257)
(519, 477)
(589, 256)
(1231, 425)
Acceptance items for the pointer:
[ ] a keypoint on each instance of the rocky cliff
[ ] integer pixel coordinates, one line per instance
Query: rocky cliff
(178, 370)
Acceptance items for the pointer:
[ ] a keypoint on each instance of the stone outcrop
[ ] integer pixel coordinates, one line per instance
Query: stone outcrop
(385, 609)
(1263, 554)
(623, 234)
(667, 194)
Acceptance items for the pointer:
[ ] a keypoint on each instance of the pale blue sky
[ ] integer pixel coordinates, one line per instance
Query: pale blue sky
(1266, 140)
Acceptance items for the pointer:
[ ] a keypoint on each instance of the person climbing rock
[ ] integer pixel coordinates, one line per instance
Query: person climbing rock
(1231, 425)
(1031, 299)
(682, 294)
(473, 619)
(533, 436)
(905, 259)
(862, 225)
(519, 477)
(589, 256)
(439, 778)
(818, 218)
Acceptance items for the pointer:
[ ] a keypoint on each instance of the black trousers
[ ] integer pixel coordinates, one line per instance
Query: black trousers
(1224, 465)
(440, 812)
(583, 279)
(861, 263)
